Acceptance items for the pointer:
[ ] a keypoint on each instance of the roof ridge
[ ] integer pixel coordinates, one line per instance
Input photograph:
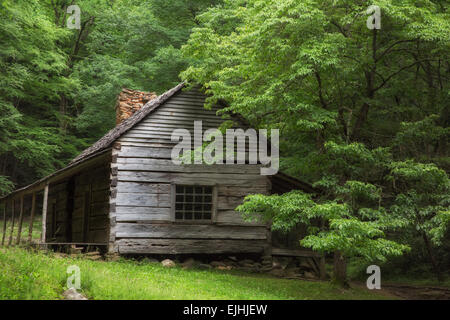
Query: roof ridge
(119, 130)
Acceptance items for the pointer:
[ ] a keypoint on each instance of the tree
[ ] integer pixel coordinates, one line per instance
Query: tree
(334, 87)
(346, 219)
(422, 203)
(60, 85)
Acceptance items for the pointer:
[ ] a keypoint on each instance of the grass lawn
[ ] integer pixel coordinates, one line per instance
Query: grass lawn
(40, 275)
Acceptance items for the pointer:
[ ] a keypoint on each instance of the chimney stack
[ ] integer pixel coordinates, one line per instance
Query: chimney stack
(131, 101)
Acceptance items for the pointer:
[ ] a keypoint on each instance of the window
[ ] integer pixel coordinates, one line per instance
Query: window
(193, 203)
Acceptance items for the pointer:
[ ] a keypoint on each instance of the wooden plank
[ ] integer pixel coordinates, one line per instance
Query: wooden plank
(19, 231)
(169, 166)
(206, 124)
(227, 191)
(77, 225)
(229, 203)
(136, 152)
(146, 200)
(13, 205)
(98, 223)
(78, 243)
(147, 143)
(150, 130)
(124, 213)
(154, 125)
(4, 222)
(147, 188)
(44, 214)
(187, 109)
(184, 231)
(183, 246)
(231, 217)
(295, 253)
(188, 100)
(188, 116)
(193, 178)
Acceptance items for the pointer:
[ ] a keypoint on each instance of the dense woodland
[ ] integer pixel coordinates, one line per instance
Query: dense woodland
(363, 113)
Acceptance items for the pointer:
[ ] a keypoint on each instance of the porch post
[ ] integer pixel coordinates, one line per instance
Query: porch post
(33, 210)
(44, 214)
(19, 231)
(4, 222)
(13, 203)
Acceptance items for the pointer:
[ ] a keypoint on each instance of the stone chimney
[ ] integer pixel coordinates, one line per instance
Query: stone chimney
(131, 101)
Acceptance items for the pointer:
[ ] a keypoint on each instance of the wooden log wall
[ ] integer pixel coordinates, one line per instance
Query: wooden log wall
(142, 174)
(56, 220)
(77, 209)
(91, 205)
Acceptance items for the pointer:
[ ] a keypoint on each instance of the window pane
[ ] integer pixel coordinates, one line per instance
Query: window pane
(207, 216)
(208, 190)
(193, 202)
(198, 215)
(198, 190)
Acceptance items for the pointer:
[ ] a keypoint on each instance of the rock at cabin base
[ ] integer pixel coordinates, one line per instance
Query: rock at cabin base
(310, 275)
(216, 264)
(189, 263)
(167, 263)
(72, 294)
(224, 267)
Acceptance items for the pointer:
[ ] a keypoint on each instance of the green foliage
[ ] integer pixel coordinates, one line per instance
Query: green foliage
(354, 106)
(6, 186)
(423, 198)
(352, 236)
(59, 86)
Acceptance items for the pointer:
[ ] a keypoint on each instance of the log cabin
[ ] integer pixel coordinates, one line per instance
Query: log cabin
(124, 193)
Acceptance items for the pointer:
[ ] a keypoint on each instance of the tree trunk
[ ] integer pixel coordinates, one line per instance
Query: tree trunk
(433, 261)
(340, 270)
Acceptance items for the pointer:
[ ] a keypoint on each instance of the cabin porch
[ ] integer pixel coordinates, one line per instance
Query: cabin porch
(72, 204)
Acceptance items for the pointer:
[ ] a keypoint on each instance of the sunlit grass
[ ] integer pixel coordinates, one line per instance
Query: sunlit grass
(39, 275)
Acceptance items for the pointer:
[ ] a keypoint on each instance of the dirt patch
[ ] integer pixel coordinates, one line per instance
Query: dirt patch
(408, 292)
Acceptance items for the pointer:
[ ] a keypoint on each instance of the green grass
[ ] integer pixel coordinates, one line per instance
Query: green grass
(39, 275)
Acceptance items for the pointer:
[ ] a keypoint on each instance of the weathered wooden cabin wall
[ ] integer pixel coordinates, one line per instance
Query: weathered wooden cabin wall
(56, 222)
(141, 215)
(90, 220)
(78, 208)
